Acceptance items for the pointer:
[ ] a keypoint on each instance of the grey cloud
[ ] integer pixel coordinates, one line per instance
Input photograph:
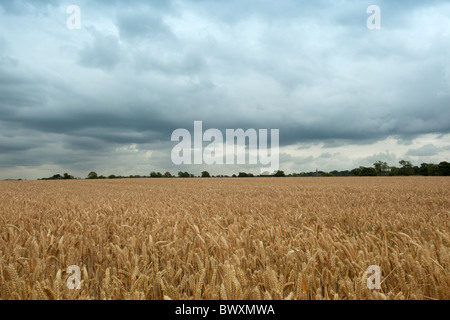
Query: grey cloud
(21, 7)
(144, 69)
(326, 155)
(105, 52)
(427, 150)
(189, 64)
(336, 13)
(145, 25)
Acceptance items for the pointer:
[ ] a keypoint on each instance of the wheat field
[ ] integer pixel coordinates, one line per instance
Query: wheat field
(260, 238)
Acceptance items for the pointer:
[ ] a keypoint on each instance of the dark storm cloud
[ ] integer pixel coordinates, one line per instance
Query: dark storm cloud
(138, 70)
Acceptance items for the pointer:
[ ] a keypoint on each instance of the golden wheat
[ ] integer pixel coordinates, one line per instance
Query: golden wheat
(262, 238)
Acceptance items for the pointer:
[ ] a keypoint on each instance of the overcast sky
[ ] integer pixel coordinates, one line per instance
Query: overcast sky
(108, 96)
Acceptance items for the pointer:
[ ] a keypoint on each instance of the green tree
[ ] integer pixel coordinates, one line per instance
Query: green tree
(154, 174)
(393, 171)
(406, 168)
(67, 176)
(205, 174)
(433, 170)
(184, 174)
(366, 171)
(167, 175)
(326, 174)
(92, 175)
(279, 173)
(444, 167)
(381, 167)
(423, 170)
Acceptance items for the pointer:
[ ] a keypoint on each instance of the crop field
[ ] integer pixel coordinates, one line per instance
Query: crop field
(236, 238)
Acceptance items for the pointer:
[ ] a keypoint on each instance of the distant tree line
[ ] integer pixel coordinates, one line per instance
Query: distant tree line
(406, 169)
(379, 168)
(65, 176)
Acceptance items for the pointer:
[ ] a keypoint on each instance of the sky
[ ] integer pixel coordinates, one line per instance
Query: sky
(106, 97)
